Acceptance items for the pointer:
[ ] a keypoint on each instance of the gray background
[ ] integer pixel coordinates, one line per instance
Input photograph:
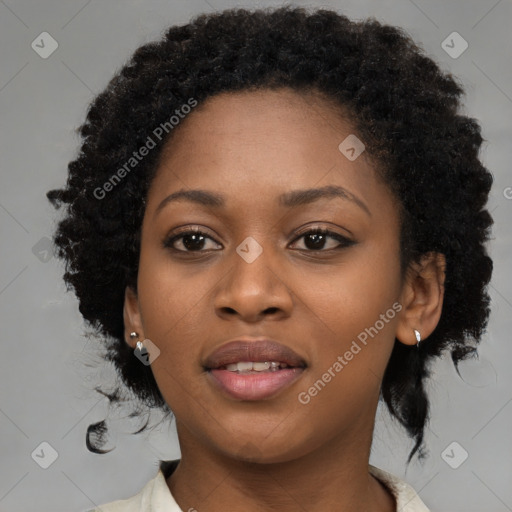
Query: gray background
(46, 385)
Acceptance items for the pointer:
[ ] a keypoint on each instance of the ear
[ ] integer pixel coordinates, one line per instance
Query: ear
(422, 298)
(132, 317)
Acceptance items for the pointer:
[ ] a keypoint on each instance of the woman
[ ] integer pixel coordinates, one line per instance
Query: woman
(281, 215)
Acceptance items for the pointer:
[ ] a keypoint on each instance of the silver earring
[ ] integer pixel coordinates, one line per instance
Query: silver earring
(418, 337)
(133, 335)
(140, 346)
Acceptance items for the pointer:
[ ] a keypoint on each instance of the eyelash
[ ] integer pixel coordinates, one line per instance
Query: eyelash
(344, 242)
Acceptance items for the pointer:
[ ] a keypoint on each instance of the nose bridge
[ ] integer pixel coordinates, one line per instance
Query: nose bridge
(253, 265)
(253, 284)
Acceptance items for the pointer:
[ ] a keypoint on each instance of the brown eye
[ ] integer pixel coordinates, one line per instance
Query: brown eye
(316, 239)
(194, 240)
(191, 241)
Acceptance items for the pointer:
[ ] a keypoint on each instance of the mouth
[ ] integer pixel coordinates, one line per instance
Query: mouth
(253, 369)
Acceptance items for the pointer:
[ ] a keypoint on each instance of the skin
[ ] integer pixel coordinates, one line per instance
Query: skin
(251, 147)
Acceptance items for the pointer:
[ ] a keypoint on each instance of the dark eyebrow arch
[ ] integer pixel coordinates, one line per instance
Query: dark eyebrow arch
(291, 199)
(307, 196)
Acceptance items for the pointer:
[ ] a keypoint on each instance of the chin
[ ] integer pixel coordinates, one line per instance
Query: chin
(261, 453)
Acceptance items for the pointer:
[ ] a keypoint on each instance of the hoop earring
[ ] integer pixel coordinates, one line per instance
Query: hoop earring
(418, 338)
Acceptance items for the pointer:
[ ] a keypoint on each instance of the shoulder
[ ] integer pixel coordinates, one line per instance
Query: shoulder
(155, 496)
(406, 497)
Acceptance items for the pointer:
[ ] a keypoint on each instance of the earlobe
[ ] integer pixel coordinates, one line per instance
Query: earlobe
(132, 318)
(422, 294)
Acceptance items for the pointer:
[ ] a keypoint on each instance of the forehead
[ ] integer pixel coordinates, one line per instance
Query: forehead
(256, 117)
(255, 145)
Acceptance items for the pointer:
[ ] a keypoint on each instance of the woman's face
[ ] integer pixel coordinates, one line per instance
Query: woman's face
(257, 273)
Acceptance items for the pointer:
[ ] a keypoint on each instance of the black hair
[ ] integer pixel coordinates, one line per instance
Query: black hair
(404, 108)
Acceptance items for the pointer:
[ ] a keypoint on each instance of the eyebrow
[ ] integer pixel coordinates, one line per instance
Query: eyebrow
(288, 199)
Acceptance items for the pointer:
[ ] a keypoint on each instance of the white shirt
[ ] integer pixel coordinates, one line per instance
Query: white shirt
(156, 495)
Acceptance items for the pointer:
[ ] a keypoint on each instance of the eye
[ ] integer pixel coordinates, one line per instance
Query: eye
(193, 240)
(315, 240)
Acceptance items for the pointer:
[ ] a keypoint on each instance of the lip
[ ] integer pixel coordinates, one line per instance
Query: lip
(253, 386)
(253, 349)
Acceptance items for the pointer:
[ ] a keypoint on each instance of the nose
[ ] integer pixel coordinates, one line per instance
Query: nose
(254, 291)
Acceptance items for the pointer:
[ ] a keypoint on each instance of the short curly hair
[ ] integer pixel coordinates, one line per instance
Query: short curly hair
(403, 107)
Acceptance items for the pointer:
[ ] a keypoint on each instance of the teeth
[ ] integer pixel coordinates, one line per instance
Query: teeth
(260, 366)
(244, 366)
(247, 366)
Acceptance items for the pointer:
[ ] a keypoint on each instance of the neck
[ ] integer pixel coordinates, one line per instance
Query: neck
(333, 477)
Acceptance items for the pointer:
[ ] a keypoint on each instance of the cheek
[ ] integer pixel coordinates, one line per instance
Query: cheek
(173, 318)
(353, 313)
(356, 292)
(172, 302)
